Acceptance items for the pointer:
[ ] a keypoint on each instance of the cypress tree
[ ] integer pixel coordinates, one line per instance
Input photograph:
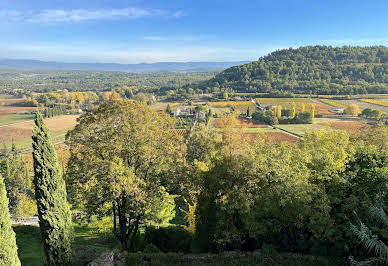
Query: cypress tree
(8, 248)
(50, 192)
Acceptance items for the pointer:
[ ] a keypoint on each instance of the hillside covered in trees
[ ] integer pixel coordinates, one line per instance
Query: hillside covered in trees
(311, 69)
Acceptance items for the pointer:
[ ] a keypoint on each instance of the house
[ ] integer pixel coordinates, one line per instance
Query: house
(182, 112)
(338, 111)
(200, 115)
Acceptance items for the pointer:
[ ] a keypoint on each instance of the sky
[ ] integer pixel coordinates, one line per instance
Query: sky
(124, 31)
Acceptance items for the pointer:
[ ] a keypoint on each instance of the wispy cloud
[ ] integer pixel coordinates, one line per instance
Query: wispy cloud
(80, 15)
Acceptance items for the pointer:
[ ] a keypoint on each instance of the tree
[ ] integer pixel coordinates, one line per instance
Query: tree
(50, 192)
(16, 177)
(352, 109)
(303, 107)
(248, 112)
(118, 170)
(293, 110)
(279, 111)
(8, 248)
(312, 111)
(371, 241)
(168, 109)
(26, 207)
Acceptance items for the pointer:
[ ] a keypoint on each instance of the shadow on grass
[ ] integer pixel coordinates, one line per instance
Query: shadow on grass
(88, 244)
(30, 246)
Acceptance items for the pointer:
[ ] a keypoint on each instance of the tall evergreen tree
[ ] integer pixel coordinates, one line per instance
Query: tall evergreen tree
(50, 192)
(8, 248)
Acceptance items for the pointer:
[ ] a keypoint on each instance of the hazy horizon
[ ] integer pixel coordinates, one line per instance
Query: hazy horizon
(132, 32)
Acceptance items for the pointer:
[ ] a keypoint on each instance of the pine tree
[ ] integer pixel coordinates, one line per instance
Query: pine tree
(50, 192)
(8, 248)
(168, 109)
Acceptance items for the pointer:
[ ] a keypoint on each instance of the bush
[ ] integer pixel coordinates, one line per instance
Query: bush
(265, 117)
(151, 248)
(169, 239)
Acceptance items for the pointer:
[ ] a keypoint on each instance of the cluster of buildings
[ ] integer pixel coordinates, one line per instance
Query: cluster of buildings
(187, 111)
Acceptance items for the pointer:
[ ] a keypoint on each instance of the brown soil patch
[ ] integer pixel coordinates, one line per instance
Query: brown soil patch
(242, 123)
(351, 126)
(272, 137)
(321, 109)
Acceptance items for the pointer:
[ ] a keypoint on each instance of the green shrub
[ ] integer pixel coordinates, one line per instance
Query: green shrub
(151, 248)
(169, 239)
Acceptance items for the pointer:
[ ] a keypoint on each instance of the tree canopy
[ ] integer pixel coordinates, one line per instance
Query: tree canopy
(311, 69)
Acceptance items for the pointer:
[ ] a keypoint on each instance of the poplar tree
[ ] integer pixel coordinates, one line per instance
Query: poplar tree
(312, 111)
(279, 111)
(8, 248)
(293, 110)
(303, 106)
(50, 192)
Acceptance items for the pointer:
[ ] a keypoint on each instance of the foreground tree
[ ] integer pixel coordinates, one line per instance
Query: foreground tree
(8, 248)
(50, 192)
(374, 243)
(119, 158)
(17, 181)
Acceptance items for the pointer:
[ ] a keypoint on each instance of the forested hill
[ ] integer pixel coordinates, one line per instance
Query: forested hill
(311, 69)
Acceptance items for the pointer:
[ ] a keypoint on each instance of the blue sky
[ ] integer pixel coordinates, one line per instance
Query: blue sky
(137, 31)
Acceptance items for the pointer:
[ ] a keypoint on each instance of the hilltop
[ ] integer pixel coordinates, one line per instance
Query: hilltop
(311, 69)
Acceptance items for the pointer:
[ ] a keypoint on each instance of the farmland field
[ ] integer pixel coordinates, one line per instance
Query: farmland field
(283, 100)
(300, 129)
(333, 103)
(21, 132)
(375, 101)
(349, 126)
(271, 137)
(364, 105)
(14, 118)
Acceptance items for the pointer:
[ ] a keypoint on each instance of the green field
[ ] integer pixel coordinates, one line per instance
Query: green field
(300, 129)
(25, 144)
(15, 118)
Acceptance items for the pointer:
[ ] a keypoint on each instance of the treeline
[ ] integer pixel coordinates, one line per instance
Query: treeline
(21, 83)
(50, 112)
(278, 115)
(311, 69)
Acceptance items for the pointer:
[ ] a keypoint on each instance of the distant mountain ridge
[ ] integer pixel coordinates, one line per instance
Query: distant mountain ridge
(26, 64)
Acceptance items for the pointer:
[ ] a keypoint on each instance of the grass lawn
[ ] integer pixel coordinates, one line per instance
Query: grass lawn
(88, 244)
(14, 118)
(30, 247)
